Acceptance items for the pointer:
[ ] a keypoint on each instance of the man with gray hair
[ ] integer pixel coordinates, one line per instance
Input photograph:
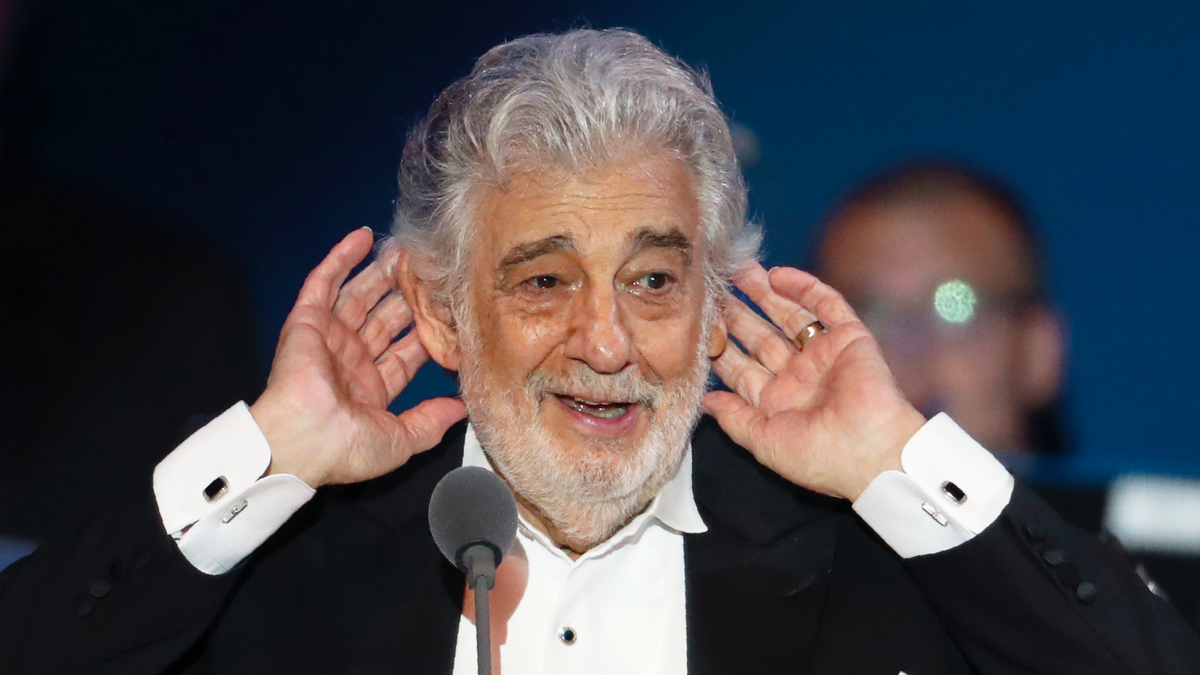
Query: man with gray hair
(570, 218)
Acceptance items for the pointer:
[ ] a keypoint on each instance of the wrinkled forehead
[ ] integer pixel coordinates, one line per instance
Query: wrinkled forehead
(643, 199)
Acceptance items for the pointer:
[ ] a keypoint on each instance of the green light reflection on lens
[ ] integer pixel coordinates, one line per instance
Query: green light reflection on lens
(954, 301)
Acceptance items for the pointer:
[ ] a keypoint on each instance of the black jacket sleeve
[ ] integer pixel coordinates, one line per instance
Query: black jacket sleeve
(1032, 593)
(118, 597)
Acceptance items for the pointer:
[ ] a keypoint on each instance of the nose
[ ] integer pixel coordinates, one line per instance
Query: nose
(599, 337)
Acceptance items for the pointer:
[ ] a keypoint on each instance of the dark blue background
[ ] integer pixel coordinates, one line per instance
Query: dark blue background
(276, 127)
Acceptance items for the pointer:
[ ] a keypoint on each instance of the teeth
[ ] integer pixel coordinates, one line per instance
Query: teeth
(608, 413)
(605, 411)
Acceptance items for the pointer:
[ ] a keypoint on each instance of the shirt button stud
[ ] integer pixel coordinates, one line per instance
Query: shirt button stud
(567, 635)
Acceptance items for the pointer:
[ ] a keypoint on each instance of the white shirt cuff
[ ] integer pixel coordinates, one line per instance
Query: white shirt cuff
(214, 535)
(950, 490)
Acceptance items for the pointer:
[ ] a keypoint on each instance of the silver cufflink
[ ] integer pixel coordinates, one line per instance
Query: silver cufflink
(933, 513)
(232, 512)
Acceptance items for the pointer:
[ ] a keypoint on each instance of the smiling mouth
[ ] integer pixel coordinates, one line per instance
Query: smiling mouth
(605, 410)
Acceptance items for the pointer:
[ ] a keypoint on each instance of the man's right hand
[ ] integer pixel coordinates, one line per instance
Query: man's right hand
(337, 367)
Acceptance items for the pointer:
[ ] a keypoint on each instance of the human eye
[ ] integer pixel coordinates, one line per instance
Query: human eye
(539, 292)
(655, 281)
(544, 282)
(653, 294)
(543, 285)
(656, 285)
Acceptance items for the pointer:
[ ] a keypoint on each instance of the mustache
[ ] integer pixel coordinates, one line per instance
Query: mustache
(626, 386)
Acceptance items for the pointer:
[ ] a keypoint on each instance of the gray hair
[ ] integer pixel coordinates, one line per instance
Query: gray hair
(573, 101)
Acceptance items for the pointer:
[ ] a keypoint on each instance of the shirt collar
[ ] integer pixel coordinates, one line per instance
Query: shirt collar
(674, 507)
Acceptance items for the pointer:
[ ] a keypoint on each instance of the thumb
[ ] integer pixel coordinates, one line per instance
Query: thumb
(423, 426)
(741, 421)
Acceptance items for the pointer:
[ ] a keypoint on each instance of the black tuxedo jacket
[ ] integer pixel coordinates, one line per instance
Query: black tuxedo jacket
(783, 581)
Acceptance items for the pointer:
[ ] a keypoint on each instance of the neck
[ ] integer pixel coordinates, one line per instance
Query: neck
(573, 546)
(534, 517)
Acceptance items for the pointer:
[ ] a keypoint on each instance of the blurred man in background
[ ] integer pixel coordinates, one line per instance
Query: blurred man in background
(942, 263)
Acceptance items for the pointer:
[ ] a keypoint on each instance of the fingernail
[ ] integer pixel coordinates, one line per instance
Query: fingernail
(367, 228)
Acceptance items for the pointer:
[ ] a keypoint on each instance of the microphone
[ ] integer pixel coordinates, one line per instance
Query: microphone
(473, 519)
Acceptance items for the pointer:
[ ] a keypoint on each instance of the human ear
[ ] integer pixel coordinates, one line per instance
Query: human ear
(432, 320)
(719, 337)
(1043, 356)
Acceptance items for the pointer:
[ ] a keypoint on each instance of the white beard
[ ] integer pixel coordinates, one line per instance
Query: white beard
(586, 492)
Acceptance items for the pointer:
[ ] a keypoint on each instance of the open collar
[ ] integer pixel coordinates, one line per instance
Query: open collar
(674, 507)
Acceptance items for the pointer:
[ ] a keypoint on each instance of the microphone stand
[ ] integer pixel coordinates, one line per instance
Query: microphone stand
(473, 520)
(480, 561)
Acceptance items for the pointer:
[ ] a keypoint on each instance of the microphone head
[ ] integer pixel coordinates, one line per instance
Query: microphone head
(469, 506)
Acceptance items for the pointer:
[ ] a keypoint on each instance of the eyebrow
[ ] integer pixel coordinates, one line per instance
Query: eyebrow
(672, 239)
(523, 253)
(645, 238)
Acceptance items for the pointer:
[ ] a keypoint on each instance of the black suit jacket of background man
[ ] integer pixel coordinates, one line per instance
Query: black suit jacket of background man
(783, 581)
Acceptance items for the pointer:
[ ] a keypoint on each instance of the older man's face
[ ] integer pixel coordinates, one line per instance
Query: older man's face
(585, 351)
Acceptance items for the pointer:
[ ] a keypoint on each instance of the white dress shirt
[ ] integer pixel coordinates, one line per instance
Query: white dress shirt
(623, 601)
(627, 591)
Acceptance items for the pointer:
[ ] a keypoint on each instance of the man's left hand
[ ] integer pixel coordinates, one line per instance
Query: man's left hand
(828, 416)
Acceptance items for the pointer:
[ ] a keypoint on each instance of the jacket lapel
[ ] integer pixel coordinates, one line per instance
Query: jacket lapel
(756, 581)
(410, 592)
